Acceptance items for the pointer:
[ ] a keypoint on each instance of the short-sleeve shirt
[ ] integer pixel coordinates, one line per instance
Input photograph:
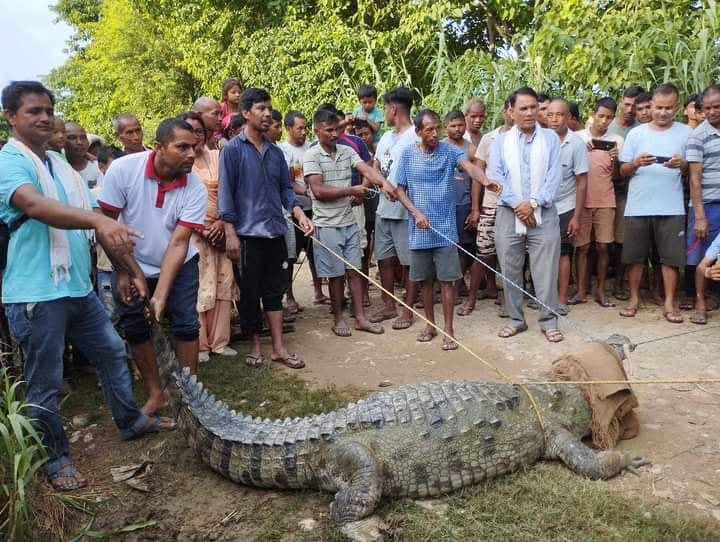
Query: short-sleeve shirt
(655, 190)
(490, 198)
(92, 174)
(336, 171)
(614, 128)
(294, 158)
(376, 116)
(703, 147)
(428, 179)
(27, 277)
(131, 188)
(388, 153)
(600, 188)
(573, 162)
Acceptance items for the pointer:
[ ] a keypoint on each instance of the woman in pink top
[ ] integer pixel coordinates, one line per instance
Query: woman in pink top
(217, 283)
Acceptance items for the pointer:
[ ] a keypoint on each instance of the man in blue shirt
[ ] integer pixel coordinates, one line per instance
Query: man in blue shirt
(47, 291)
(525, 161)
(254, 188)
(426, 187)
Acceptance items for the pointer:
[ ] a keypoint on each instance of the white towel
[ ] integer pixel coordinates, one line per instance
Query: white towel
(538, 168)
(77, 196)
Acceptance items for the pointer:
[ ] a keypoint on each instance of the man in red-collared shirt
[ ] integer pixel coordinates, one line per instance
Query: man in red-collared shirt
(156, 193)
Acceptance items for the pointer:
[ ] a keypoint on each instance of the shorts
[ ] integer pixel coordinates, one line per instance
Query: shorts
(290, 243)
(566, 242)
(371, 204)
(359, 213)
(596, 225)
(619, 228)
(342, 241)
(667, 232)
(440, 262)
(485, 239)
(180, 308)
(696, 251)
(466, 238)
(301, 241)
(391, 239)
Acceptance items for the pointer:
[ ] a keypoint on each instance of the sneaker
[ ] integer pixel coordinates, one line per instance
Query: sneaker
(203, 357)
(227, 351)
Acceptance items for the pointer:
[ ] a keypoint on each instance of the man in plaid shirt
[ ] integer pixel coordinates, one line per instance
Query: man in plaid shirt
(426, 187)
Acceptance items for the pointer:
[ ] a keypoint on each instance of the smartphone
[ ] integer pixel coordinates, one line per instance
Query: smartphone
(662, 159)
(603, 145)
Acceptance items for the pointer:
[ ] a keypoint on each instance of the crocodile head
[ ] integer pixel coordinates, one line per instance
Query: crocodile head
(564, 405)
(618, 343)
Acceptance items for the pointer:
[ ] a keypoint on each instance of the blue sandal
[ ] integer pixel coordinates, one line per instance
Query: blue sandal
(70, 472)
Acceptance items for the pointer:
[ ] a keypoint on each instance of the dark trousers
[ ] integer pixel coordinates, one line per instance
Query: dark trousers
(262, 275)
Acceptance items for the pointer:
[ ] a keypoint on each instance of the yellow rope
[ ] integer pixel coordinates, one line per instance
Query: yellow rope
(462, 345)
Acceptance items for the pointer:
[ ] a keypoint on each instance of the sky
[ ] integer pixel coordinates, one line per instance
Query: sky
(31, 43)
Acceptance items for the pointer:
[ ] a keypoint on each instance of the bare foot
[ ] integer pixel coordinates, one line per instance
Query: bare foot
(153, 405)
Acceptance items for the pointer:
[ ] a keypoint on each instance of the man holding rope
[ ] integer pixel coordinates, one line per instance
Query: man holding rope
(526, 161)
(426, 187)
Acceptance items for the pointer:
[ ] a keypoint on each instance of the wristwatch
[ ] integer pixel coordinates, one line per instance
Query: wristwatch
(533, 203)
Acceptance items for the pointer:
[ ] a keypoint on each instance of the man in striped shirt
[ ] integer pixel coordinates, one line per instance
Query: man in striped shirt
(328, 169)
(703, 155)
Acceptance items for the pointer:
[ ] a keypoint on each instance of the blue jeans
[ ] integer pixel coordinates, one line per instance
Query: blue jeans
(40, 330)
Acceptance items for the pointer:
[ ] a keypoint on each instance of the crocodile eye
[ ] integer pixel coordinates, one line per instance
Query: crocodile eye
(558, 394)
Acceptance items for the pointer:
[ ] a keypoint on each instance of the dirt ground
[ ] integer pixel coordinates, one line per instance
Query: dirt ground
(679, 423)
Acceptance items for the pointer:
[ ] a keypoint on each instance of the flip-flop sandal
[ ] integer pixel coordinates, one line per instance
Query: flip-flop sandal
(562, 309)
(292, 361)
(700, 317)
(449, 344)
(532, 304)
(628, 312)
(70, 472)
(687, 304)
(510, 331)
(503, 312)
(375, 329)
(158, 424)
(711, 303)
(342, 330)
(253, 360)
(674, 317)
(324, 300)
(293, 308)
(606, 303)
(553, 335)
(622, 296)
(575, 301)
(464, 311)
(381, 317)
(426, 335)
(401, 323)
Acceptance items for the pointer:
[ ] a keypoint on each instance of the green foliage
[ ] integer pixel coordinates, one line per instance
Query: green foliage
(21, 457)
(154, 57)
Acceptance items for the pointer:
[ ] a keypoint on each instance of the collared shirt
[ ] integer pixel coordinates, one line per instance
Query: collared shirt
(498, 170)
(131, 188)
(27, 277)
(655, 190)
(703, 147)
(428, 178)
(336, 171)
(574, 162)
(254, 188)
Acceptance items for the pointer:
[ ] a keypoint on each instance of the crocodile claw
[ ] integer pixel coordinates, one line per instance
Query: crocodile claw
(370, 529)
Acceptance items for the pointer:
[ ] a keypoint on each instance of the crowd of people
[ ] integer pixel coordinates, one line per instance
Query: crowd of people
(101, 239)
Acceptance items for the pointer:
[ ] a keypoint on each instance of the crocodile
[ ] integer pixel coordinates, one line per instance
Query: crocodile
(416, 441)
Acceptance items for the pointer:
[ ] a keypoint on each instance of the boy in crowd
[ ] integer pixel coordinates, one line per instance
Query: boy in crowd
(328, 167)
(369, 111)
(467, 194)
(571, 195)
(485, 241)
(157, 193)
(76, 152)
(57, 140)
(426, 187)
(653, 157)
(643, 107)
(274, 133)
(691, 112)
(703, 155)
(598, 219)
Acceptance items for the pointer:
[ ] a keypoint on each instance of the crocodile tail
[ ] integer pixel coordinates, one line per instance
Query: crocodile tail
(168, 366)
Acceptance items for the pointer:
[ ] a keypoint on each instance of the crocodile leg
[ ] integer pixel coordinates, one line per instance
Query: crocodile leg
(352, 471)
(570, 450)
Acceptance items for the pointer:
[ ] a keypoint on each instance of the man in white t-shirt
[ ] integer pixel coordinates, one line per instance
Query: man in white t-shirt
(294, 151)
(156, 193)
(76, 152)
(391, 230)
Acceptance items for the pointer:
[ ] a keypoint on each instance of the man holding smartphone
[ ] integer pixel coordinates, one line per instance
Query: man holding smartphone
(598, 219)
(653, 158)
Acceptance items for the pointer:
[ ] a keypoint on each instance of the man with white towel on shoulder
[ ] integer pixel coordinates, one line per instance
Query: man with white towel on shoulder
(525, 160)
